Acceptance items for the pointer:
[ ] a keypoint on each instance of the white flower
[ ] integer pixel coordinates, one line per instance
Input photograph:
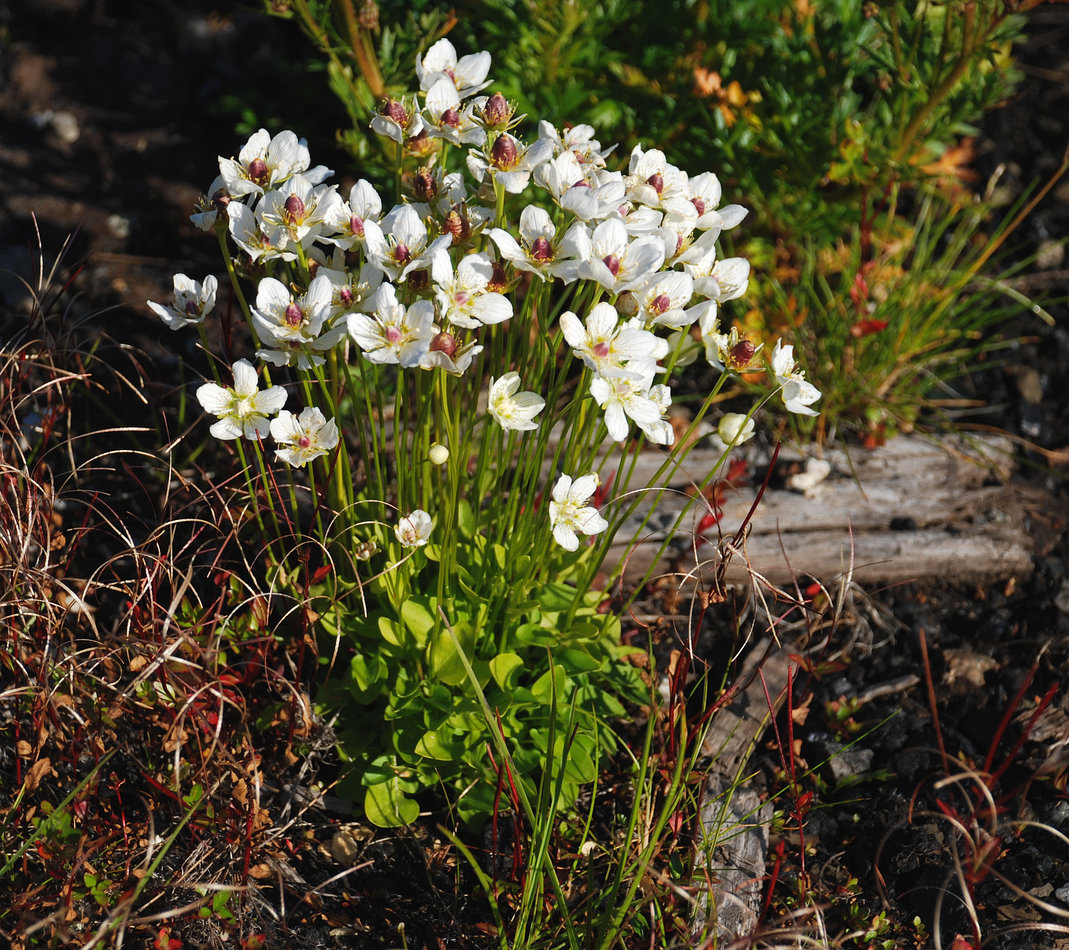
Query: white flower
(607, 347)
(247, 231)
(445, 118)
(399, 245)
(704, 193)
(508, 162)
(538, 249)
(304, 437)
(265, 162)
(653, 181)
(298, 212)
(462, 297)
(292, 326)
(193, 301)
(616, 262)
(796, 392)
(467, 74)
(569, 514)
(393, 334)
(414, 530)
(398, 120)
(662, 299)
(351, 291)
(621, 397)
(242, 410)
(511, 409)
(206, 208)
(438, 454)
(346, 218)
(735, 428)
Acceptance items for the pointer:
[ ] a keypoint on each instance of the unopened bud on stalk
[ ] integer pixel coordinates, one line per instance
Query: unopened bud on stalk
(504, 152)
(421, 145)
(438, 454)
(456, 224)
(419, 280)
(368, 17)
(496, 111)
(742, 353)
(445, 343)
(498, 282)
(425, 186)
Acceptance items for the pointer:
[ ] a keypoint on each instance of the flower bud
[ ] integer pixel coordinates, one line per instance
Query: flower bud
(496, 111)
(741, 354)
(456, 224)
(445, 343)
(419, 280)
(425, 186)
(504, 153)
(421, 145)
(735, 428)
(438, 454)
(498, 282)
(368, 17)
(294, 208)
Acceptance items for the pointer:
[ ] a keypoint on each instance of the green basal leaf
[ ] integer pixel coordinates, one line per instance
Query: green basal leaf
(387, 806)
(420, 618)
(445, 664)
(506, 669)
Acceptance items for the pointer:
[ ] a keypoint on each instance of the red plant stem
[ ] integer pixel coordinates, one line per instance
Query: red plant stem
(931, 700)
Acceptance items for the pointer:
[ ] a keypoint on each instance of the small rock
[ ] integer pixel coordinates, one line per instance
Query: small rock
(1062, 893)
(65, 125)
(1050, 254)
(119, 226)
(806, 481)
(967, 667)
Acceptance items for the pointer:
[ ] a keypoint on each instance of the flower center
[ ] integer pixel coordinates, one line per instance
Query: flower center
(401, 254)
(504, 153)
(345, 295)
(613, 263)
(661, 303)
(461, 297)
(393, 334)
(656, 182)
(445, 343)
(293, 316)
(541, 250)
(294, 209)
(699, 205)
(601, 349)
(356, 225)
(304, 441)
(451, 118)
(259, 172)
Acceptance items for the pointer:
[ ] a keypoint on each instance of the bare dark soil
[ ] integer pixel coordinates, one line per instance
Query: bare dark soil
(111, 118)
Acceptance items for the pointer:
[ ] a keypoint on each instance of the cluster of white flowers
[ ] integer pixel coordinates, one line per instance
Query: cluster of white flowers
(417, 284)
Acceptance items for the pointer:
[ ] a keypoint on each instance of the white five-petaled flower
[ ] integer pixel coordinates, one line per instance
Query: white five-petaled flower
(265, 162)
(193, 301)
(569, 513)
(293, 327)
(608, 347)
(304, 437)
(512, 409)
(445, 118)
(796, 392)
(538, 249)
(399, 245)
(414, 529)
(346, 218)
(623, 397)
(467, 74)
(508, 162)
(243, 409)
(462, 296)
(393, 334)
(297, 212)
(618, 263)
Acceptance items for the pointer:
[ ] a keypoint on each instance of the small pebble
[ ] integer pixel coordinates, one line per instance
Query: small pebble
(65, 125)
(806, 481)
(119, 226)
(1063, 893)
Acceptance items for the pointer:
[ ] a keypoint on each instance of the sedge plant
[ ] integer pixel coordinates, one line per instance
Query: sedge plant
(450, 391)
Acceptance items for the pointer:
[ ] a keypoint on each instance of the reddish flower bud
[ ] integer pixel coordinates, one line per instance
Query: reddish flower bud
(741, 353)
(425, 185)
(421, 145)
(294, 208)
(394, 110)
(445, 343)
(419, 280)
(541, 250)
(504, 153)
(496, 111)
(498, 282)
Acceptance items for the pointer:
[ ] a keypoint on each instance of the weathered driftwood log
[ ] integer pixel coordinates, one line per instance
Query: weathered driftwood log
(912, 508)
